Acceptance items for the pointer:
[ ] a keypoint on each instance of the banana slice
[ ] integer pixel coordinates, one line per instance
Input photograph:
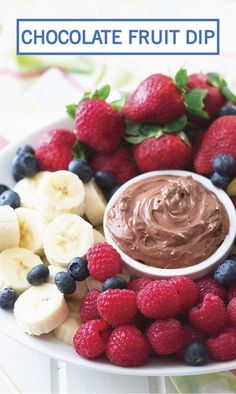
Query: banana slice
(59, 193)
(95, 203)
(100, 228)
(66, 237)
(66, 331)
(95, 284)
(53, 270)
(40, 309)
(32, 227)
(80, 291)
(9, 228)
(73, 308)
(27, 189)
(14, 266)
(98, 237)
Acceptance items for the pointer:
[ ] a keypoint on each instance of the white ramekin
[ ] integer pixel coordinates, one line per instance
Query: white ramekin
(194, 271)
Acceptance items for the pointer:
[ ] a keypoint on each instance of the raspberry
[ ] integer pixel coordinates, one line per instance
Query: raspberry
(187, 291)
(117, 306)
(158, 300)
(166, 336)
(103, 261)
(210, 315)
(91, 338)
(128, 347)
(138, 284)
(88, 306)
(208, 285)
(223, 346)
(231, 312)
(232, 292)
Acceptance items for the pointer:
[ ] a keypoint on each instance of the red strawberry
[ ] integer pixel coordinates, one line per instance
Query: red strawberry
(212, 102)
(55, 150)
(155, 101)
(116, 163)
(166, 152)
(99, 125)
(219, 138)
(197, 81)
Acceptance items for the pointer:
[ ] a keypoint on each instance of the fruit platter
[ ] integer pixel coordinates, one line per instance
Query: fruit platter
(118, 227)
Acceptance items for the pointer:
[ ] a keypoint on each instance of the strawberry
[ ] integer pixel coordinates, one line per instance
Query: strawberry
(165, 152)
(116, 163)
(156, 100)
(219, 138)
(54, 151)
(205, 96)
(197, 81)
(97, 123)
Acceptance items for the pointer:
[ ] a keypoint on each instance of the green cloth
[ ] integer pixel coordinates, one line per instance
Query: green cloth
(222, 382)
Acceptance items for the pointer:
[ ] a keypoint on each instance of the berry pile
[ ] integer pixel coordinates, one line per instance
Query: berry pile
(194, 320)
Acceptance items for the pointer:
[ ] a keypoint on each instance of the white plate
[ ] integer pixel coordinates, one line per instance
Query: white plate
(50, 346)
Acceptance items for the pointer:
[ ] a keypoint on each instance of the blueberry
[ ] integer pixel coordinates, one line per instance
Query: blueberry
(220, 181)
(7, 298)
(24, 165)
(3, 188)
(228, 109)
(65, 283)
(225, 274)
(38, 275)
(9, 197)
(224, 165)
(112, 191)
(25, 149)
(196, 354)
(78, 268)
(105, 180)
(80, 168)
(115, 282)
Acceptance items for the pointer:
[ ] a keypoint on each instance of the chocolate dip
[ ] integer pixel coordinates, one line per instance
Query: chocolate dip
(168, 221)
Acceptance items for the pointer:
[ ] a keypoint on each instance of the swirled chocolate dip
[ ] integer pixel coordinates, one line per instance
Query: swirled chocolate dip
(168, 221)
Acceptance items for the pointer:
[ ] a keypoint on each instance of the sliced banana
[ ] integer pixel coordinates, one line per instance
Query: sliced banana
(66, 237)
(32, 227)
(61, 192)
(53, 270)
(40, 309)
(80, 291)
(9, 228)
(15, 263)
(100, 228)
(95, 284)
(66, 331)
(27, 189)
(74, 307)
(95, 203)
(98, 237)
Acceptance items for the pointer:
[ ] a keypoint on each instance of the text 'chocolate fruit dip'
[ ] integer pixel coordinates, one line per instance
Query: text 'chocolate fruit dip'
(168, 221)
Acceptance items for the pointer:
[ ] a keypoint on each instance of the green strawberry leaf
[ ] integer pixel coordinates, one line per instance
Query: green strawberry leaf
(214, 79)
(86, 96)
(102, 93)
(176, 125)
(228, 94)
(78, 150)
(184, 137)
(217, 81)
(71, 110)
(194, 102)
(181, 79)
(118, 104)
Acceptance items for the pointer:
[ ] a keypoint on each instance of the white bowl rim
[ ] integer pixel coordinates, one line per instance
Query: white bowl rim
(191, 270)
